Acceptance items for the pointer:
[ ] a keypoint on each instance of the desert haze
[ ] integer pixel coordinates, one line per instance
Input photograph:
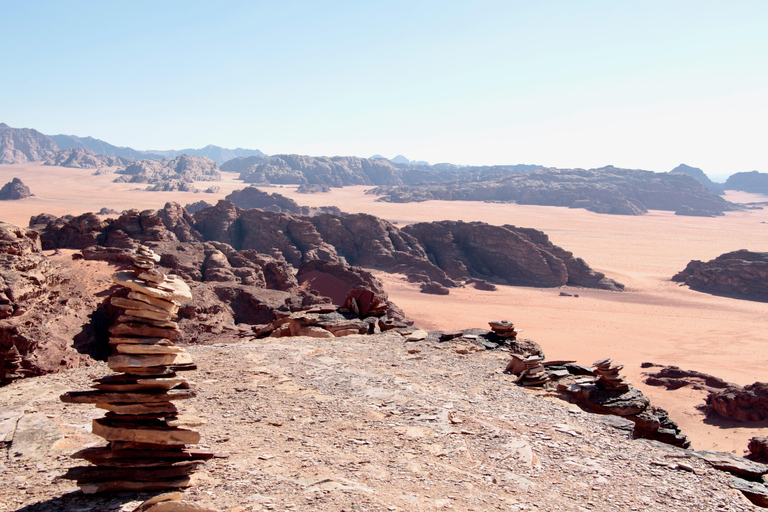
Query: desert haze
(654, 320)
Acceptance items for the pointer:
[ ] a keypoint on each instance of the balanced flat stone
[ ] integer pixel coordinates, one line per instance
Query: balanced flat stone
(153, 276)
(122, 302)
(143, 385)
(160, 316)
(100, 397)
(154, 301)
(136, 348)
(138, 408)
(118, 340)
(141, 360)
(170, 436)
(136, 486)
(174, 290)
(167, 324)
(101, 474)
(185, 420)
(149, 371)
(138, 329)
(101, 454)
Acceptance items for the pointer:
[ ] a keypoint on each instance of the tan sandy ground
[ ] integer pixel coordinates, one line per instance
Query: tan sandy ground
(655, 320)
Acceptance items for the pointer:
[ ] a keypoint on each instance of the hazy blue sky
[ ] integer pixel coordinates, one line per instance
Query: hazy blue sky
(562, 83)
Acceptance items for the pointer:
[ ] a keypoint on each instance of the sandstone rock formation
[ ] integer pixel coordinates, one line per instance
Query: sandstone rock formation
(166, 174)
(698, 175)
(13, 190)
(604, 190)
(80, 158)
(505, 254)
(19, 145)
(337, 171)
(748, 403)
(40, 311)
(755, 182)
(251, 197)
(742, 274)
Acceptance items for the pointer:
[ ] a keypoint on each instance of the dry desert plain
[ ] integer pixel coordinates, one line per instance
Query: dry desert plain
(654, 320)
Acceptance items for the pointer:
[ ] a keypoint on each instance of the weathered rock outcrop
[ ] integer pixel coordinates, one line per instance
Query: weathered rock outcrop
(698, 175)
(40, 311)
(19, 145)
(252, 197)
(742, 274)
(748, 403)
(85, 159)
(13, 190)
(755, 182)
(604, 190)
(183, 168)
(504, 254)
(337, 171)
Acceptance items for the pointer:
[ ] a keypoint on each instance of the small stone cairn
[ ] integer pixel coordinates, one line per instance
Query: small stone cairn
(146, 435)
(534, 374)
(11, 369)
(504, 329)
(609, 377)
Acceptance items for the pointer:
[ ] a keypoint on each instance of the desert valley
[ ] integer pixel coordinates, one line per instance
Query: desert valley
(653, 319)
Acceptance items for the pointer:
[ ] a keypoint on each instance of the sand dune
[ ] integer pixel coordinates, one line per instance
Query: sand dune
(654, 320)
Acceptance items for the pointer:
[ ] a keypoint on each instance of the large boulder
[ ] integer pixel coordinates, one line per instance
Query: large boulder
(748, 403)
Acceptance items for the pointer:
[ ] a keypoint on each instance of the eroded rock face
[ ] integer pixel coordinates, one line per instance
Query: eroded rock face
(742, 274)
(251, 197)
(14, 189)
(503, 253)
(41, 313)
(748, 403)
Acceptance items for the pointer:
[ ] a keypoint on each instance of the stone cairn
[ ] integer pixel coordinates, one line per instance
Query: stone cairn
(11, 369)
(504, 329)
(146, 435)
(534, 373)
(608, 375)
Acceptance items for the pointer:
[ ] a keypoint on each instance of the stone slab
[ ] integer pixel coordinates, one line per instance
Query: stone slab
(171, 436)
(98, 397)
(174, 290)
(34, 436)
(166, 324)
(138, 329)
(141, 360)
(143, 408)
(157, 302)
(141, 348)
(126, 303)
(121, 340)
(134, 486)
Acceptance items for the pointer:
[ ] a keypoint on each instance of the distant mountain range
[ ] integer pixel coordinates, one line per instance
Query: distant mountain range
(215, 153)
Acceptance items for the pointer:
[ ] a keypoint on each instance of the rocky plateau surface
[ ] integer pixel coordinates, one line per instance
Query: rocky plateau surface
(742, 274)
(605, 190)
(369, 423)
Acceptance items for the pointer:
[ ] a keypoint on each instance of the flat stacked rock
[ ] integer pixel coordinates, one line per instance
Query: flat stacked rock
(11, 368)
(534, 374)
(504, 329)
(146, 435)
(608, 375)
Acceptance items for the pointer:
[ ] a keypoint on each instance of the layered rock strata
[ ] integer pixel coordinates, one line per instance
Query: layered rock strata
(146, 435)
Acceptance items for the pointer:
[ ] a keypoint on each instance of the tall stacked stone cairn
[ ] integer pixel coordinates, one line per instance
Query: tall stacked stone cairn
(504, 329)
(608, 375)
(11, 366)
(146, 435)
